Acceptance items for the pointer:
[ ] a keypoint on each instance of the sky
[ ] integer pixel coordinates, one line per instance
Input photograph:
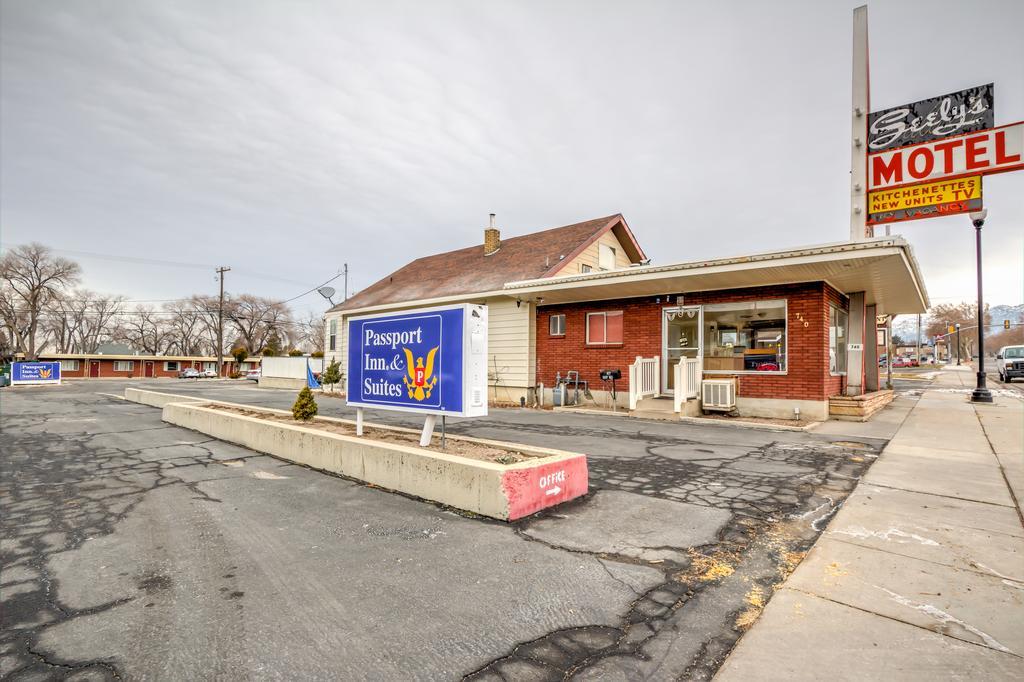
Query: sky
(152, 141)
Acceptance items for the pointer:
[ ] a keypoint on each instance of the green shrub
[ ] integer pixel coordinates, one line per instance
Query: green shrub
(331, 375)
(294, 353)
(304, 408)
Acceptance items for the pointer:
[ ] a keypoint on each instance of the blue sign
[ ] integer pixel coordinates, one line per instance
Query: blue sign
(417, 361)
(35, 373)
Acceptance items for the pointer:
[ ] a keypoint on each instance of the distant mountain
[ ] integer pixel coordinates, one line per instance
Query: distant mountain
(905, 326)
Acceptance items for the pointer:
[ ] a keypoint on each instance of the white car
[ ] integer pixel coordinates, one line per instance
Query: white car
(210, 373)
(1010, 363)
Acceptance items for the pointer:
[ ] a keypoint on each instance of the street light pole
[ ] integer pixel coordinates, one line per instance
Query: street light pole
(957, 344)
(981, 393)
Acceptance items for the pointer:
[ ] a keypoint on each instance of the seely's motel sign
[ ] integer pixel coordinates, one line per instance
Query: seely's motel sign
(927, 159)
(430, 360)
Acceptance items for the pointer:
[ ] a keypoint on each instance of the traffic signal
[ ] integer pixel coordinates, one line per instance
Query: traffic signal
(952, 329)
(1006, 324)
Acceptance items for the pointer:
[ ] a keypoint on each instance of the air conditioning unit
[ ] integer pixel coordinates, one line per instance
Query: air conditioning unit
(718, 394)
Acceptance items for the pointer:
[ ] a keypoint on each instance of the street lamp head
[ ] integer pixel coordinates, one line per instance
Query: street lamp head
(978, 217)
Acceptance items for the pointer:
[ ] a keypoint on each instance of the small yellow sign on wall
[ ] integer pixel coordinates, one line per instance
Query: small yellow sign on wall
(925, 200)
(928, 194)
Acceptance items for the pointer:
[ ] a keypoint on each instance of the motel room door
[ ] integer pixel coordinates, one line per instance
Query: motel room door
(680, 338)
(147, 369)
(94, 368)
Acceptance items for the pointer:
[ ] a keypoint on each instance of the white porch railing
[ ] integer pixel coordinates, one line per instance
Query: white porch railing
(686, 380)
(644, 379)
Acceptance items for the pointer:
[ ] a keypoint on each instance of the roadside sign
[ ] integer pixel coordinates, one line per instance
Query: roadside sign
(926, 200)
(952, 329)
(934, 118)
(35, 373)
(997, 150)
(429, 360)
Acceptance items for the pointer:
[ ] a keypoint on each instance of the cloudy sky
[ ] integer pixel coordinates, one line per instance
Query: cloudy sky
(286, 138)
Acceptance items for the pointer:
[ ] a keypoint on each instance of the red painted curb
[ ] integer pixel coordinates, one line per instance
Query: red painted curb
(530, 490)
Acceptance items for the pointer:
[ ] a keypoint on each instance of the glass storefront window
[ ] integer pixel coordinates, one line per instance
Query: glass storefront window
(837, 335)
(749, 336)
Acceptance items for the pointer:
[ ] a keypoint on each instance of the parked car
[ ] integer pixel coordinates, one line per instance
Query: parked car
(1010, 363)
(900, 362)
(210, 373)
(253, 375)
(189, 373)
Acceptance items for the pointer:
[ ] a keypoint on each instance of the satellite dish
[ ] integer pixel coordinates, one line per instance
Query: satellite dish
(327, 292)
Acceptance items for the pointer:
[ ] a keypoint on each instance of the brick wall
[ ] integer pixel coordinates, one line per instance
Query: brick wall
(807, 376)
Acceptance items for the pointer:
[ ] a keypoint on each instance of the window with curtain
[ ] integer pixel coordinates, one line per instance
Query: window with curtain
(604, 328)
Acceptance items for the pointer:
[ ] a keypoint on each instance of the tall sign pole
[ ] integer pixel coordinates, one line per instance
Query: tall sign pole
(859, 230)
(220, 324)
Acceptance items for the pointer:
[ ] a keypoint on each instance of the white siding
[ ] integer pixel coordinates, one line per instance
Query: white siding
(590, 256)
(511, 347)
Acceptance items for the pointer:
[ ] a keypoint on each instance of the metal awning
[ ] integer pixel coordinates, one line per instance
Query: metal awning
(884, 269)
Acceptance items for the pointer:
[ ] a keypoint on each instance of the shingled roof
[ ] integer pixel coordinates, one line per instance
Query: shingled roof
(469, 271)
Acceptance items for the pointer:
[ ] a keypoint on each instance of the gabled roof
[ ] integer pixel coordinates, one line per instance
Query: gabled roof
(469, 271)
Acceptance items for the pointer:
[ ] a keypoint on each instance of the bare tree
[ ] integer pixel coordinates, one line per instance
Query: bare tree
(31, 277)
(945, 314)
(310, 333)
(186, 328)
(257, 320)
(146, 330)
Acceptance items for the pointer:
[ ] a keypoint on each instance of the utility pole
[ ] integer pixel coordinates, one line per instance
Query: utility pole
(919, 339)
(957, 344)
(346, 282)
(220, 323)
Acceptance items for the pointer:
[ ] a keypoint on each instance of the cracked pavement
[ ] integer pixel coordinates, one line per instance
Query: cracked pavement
(133, 549)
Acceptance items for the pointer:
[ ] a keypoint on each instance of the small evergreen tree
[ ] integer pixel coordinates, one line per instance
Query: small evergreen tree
(239, 354)
(294, 353)
(304, 408)
(316, 354)
(273, 347)
(331, 375)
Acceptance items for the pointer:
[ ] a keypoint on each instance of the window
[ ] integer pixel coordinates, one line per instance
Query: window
(606, 257)
(837, 336)
(123, 365)
(748, 336)
(212, 366)
(171, 366)
(584, 268)
(69, 365)
(556, 325)
(332, 342)
(604, 328)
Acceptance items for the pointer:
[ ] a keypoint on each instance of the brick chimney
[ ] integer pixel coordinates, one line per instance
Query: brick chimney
(492, 238)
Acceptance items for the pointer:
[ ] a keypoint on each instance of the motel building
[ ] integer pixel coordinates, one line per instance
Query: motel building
(781, 334)
(132, 366)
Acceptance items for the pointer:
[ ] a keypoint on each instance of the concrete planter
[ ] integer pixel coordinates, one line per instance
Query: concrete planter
(858, 408)
(505, 492)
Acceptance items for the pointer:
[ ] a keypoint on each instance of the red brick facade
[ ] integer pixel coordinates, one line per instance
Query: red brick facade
(142, 367)
(807, 376)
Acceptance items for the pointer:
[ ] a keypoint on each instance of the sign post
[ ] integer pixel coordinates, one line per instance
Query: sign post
(429, 360)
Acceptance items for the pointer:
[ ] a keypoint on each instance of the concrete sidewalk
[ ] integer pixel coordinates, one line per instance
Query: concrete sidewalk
(921, 573)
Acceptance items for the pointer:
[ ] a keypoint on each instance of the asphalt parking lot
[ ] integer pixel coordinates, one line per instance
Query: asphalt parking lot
(135, 549)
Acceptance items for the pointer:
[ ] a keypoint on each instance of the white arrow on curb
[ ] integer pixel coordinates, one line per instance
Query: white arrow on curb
(553, 491)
